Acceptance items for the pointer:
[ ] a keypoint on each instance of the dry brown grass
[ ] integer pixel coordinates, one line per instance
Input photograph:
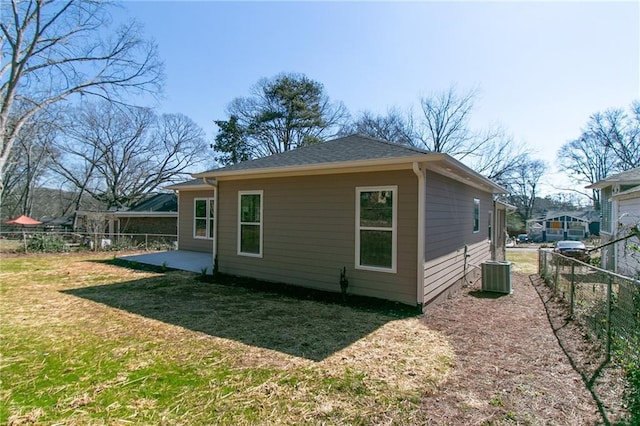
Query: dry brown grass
(84, 341)
(523, 261)
(10, 246)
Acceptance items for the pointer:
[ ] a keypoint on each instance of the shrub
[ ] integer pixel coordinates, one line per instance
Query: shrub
(122, 244)
(627, 355)
(47, 243)
(160, 245)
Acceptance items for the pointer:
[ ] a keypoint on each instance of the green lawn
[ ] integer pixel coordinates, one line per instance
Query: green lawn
(84, 341)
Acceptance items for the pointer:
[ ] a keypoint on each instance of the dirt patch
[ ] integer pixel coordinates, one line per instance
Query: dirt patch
(587, 355)
(509, 367)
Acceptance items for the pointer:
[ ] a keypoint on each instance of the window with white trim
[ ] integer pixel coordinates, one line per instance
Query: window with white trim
(203, 218)
(476, 215)
(376, 228)
(250, 223)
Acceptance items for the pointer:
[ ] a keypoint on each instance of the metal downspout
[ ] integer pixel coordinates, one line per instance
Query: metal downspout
(421, 237)
(214, 183)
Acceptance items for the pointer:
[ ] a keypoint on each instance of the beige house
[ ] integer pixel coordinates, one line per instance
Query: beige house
(405, 223)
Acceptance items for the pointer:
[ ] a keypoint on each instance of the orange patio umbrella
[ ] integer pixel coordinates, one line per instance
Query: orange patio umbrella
(22, 220)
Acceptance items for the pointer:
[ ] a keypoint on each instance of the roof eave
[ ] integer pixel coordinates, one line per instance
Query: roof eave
(189, 187)
(468, 175)
(599, 185)
(308, 168)
(143, 214)
(438, 162)
(506, 206)
(610, 182)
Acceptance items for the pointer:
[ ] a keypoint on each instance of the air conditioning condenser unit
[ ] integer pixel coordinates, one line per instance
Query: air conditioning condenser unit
(496, 276)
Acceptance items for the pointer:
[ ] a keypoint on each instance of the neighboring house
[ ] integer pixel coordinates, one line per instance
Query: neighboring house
(157, 214)
(57, 223)
(620, 208)
(556, 226)
(405, 223)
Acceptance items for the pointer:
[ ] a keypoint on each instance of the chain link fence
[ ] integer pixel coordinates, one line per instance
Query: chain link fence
(61, 241)
(607, 307)
(607, 304)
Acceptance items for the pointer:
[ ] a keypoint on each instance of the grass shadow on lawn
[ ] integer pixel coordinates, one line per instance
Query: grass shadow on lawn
(297, 322)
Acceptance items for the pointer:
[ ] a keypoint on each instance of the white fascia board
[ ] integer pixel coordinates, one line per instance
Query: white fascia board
(143, 214)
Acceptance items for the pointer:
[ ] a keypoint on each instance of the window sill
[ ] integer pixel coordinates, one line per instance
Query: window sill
(376, 269)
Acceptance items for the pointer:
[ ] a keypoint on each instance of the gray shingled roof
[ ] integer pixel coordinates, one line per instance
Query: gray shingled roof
(351, 151)
(627, 177)
(631, 176)
(348, 148)
(157, 203)
(190, 184)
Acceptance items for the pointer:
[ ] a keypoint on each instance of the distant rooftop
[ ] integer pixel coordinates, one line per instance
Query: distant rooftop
(158, 203)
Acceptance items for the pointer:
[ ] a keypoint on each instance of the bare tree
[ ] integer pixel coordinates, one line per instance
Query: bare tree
(444, 125)
(609, 143)
(620, 132)
(117, 154)
(394, 126)
(27, 165)
(587, 160)
(524, 185)
(500, 157)
(53, 50)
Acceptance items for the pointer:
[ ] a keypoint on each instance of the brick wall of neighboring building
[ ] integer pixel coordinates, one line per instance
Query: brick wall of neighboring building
(149, 225)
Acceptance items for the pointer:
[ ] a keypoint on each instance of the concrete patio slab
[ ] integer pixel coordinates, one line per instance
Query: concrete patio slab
(176, 259)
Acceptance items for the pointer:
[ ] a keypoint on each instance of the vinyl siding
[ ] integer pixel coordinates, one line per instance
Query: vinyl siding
(185, 222)
(449, 216)
(309, 233)
(628, 261)
(499, 239)
(606, 223)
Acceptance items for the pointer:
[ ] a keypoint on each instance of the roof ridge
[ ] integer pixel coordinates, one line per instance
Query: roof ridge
(315, 146)
(387, 142)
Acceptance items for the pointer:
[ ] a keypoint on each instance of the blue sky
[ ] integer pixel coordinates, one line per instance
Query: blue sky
(541, 68)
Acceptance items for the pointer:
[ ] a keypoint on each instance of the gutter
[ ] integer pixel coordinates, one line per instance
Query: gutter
(421, 238)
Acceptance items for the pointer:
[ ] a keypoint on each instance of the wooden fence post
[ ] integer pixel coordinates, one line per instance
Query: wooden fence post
(609, 308)
(573, 287)
(555, 281)
(540, 260)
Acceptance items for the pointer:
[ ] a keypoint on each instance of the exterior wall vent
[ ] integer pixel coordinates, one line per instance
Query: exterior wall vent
(496, 276)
